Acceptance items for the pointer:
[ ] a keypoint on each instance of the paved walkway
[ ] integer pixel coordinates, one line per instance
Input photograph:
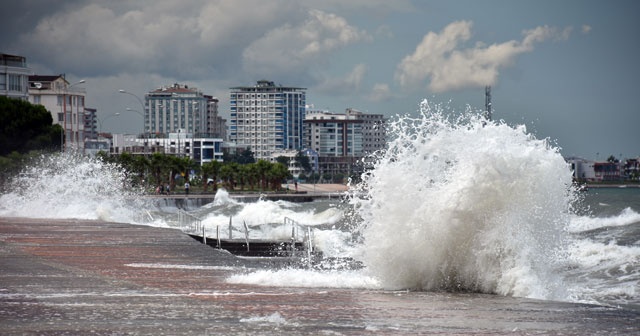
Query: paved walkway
(72, 277)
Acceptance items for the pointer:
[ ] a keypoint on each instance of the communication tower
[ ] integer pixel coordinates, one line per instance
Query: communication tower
(487, 102)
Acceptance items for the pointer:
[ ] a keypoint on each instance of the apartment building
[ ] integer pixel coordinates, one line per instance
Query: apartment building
(14, 76)
(374, 135)
(342, 140)
(200, 149)
(65, 102)
(176, 108)
(90, 123)
(267, 118)
(215, 125)
(331, 134)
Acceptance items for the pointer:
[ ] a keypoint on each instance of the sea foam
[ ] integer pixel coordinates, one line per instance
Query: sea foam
(68, 185)
(464, 204)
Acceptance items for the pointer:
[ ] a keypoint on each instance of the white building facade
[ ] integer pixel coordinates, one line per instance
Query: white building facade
(374, 135)
(65, 102)
(182, 144)
(14, 76)
(267, 118)
(173, 108)
(341, 141)
(331, 134)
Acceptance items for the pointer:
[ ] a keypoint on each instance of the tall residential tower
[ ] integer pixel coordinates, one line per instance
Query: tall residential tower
(174, 109)
(267, 118)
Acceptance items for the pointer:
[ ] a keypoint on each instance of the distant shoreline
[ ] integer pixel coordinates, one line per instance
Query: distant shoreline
(611, 185)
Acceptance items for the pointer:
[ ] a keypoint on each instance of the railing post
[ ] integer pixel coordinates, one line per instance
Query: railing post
(218, 234)
(309, 247)
(204, 235)
(246, 234)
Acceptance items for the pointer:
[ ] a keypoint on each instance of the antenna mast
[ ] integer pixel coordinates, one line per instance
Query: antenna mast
(487, 102)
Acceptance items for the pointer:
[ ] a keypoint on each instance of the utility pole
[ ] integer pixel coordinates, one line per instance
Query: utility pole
(487, 102)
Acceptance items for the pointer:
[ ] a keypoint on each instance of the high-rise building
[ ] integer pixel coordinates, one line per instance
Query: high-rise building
(14, 76)
(331, 134)
(374, 132)
(267, 118)
(215, 125)
(176, 109)
(65, 102)
(90, 123)
(341, 140)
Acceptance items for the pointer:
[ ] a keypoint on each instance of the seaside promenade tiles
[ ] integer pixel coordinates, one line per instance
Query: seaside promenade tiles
(96, 278)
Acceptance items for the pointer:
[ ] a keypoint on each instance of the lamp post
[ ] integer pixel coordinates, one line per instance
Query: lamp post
(107, 117)
(144, 134)
(100, 127)
(142, 113)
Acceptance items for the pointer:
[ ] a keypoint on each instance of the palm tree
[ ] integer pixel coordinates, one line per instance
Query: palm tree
(277, 173)
(228, 172)
(263, 168)
(187, 164)
(243, 175)
(175, 166)
(252, 175)
(140, 165)
(211, 170)
(159, 167)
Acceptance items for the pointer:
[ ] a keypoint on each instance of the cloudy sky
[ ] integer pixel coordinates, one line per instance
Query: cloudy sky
(569, 70)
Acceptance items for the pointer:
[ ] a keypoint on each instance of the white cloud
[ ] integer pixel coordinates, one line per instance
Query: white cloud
(380, 92)
(440, 59)
(586, 29)
(345, 85)
(296, 48)
(371, 7)
(251, 39)
(197, 40)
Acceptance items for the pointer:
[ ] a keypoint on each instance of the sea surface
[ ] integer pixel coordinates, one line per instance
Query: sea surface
(456, 205)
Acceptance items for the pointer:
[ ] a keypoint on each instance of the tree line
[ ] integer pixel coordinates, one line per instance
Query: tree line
(160, 170)
(26, 130)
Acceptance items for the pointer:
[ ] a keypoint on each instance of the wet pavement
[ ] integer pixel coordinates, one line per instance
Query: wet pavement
(72, 277)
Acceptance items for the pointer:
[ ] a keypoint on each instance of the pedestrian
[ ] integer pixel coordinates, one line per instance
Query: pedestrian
(186, 188)
(168, 189)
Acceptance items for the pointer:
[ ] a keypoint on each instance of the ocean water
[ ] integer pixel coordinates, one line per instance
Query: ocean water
(457, 204)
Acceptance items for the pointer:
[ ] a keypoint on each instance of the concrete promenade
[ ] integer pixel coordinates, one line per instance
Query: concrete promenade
(74, 277)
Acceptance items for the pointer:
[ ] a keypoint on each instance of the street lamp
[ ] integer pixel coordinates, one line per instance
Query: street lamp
(144, 131)
(107, 117)
(141, 105)
(144, 134)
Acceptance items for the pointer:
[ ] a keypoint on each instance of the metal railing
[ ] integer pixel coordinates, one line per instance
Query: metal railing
(191, 224)
(307, 236)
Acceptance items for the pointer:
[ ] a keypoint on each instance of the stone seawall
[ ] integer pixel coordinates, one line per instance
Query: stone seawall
(181, 201)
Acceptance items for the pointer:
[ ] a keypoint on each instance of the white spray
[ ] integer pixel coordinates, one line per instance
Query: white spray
(465, 205)
(67, 185)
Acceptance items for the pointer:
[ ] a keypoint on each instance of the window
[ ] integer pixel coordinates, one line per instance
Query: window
(15, 83)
